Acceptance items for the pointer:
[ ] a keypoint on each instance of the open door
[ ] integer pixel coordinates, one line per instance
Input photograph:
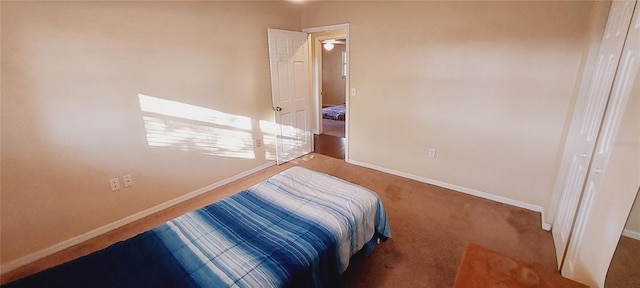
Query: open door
(292, 104)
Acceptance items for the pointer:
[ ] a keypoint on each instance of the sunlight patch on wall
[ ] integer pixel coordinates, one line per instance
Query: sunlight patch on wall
(188, 127)
(192, 112)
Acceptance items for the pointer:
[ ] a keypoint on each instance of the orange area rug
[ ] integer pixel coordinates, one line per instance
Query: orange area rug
(481, 267)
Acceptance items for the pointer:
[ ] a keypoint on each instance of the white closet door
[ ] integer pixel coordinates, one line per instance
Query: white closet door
(584, 131)
(604, 208)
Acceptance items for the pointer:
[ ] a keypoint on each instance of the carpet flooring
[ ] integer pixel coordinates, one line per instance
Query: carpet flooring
(624, 272)
(430, 227)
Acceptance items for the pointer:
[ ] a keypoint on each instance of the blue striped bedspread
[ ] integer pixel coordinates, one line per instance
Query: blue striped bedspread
(298, 228)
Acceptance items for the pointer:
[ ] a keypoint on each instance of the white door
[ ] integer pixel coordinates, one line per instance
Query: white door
(602, 214)
(292, 104)
(586, 126)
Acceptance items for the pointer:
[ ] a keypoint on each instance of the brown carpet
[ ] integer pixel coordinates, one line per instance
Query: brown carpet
(624, 272)
(430, 229)
(482, 267)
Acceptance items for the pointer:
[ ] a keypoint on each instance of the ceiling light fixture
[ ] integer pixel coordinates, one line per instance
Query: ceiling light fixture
(328, 46)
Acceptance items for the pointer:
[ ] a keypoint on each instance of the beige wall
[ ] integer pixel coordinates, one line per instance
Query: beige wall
(333, 85)
(633, 222)
(72, 117)
(490, 85)
(629, 142)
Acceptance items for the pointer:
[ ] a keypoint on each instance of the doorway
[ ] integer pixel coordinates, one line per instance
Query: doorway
(329, 74)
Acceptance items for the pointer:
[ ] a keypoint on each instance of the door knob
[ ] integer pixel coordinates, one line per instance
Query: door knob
(278, 109)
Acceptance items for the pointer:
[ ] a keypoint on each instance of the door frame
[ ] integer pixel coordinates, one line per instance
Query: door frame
(316, 80)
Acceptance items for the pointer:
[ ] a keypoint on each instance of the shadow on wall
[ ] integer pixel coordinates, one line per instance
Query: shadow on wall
(185, 127)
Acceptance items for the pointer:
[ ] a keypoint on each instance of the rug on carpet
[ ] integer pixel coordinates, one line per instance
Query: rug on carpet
(481, 267)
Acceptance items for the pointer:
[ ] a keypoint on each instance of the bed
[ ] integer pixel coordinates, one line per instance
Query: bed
(298, 228)
(337, 112)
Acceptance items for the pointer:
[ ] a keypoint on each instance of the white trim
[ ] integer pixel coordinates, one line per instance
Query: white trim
(12, 265)
(485, 195)
(631, 234)
(344, 26)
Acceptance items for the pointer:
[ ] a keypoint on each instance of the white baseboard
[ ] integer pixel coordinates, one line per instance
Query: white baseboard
(124, 221)
(489, 196)
(631, 234)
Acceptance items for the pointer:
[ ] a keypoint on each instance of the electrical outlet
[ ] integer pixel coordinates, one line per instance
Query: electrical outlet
(115, 184)
(257, 143)
(128, 180)
(432, 152)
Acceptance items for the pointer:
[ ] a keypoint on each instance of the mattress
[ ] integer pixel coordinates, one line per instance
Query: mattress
(298, 228)
(337, 112)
